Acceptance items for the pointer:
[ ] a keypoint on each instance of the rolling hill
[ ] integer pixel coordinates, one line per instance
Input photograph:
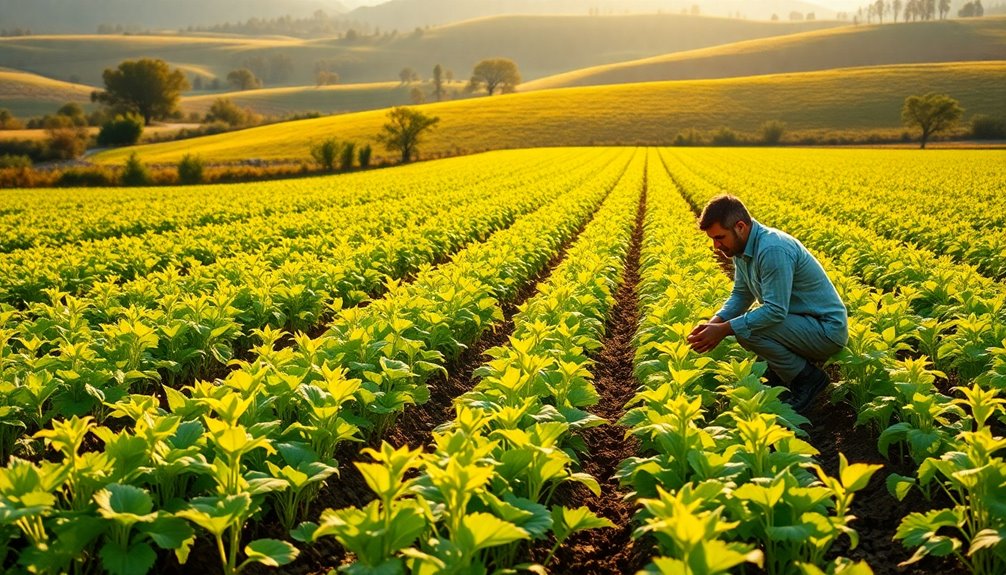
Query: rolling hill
(919, 42)
(541, 45)
(27, 94)
(844, 101)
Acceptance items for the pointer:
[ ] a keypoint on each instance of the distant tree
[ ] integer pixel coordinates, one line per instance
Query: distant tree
(796, 16)
(696, 10)
(243, 79)
(810, 16)
(495, 73)
(75, 112)
(408, 75)
(775, 17)
(449, 75)
(944, 8)
(147, 87)
(988, 128)
(225, 110)
(878, 8)
(416, 96)
(404, 131)
(895, 9)
(8, 121)
(351, 35)
(215, 84)
(364, 156)
(931, 113)
(772, 131)
(438, 83)
(928, 9)
(326, 78)
(326, 153)
(197, 83)
(121, 131)
(346, 156)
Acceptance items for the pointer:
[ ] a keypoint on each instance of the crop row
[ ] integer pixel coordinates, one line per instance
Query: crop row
(42, 217)
(957, 214)
(937, 311)
(262, 440)
(488, 483)
(723, 477)
(278, 235)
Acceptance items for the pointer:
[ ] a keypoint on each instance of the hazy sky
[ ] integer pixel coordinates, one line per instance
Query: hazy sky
(837, 5)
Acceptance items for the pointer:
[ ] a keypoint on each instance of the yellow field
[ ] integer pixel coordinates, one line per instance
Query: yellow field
(921, 42)
(849, 101)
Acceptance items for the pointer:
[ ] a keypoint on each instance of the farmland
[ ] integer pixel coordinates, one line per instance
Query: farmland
(832, 103)
(479, 363)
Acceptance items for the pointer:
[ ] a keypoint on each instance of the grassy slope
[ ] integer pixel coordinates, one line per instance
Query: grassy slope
(541, 45)
(836, 101)
(27, 94)
(919, 42)
(324, 99)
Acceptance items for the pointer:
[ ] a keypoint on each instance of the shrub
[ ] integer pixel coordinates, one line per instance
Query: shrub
(772, 131)
(87, 177)
(988, 128)
(347, 156)
(8, 121)
(190, 170)
(122, 131)
(692, 137)
(226, 111)
(364, 156)
(135, 173)
(325, 153)
(725, 137)
(66, 141)
(15, 161)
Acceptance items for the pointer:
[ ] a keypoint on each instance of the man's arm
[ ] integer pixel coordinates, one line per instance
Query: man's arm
(776, 269)
(740, 301)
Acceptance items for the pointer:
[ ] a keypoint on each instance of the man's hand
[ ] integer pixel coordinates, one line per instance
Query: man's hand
(707, 336)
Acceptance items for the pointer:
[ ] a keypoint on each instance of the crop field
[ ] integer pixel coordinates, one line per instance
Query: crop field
(479, 364)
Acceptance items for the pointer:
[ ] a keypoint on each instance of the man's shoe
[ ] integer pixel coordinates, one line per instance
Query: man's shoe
(806, 387)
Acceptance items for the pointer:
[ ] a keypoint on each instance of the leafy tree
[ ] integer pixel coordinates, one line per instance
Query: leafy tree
(347, 156)
(243, 79)
(495, 73)
(944, 8)
(364, 156)
(147, 87)
(408, 75)
(404, 130)
(931, 113)
(416, 96)
(121, 131)
(326, 153)
(895, 9)
(988, 128)
(8, 121)
(438, 82)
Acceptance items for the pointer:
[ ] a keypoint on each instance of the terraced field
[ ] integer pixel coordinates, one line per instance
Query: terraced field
(478, 364)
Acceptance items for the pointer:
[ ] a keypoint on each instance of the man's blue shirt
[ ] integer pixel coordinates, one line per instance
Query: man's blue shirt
(778, 271)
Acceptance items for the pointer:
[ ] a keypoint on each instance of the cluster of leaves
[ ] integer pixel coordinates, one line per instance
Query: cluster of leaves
(488, 484)
(744, 487)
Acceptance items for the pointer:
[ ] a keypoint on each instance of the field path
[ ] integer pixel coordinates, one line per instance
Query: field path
(611, 550)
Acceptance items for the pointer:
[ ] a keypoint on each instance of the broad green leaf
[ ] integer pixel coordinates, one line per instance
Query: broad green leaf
(271, 552)
(482, 530)
(567, 521)
(137, 560)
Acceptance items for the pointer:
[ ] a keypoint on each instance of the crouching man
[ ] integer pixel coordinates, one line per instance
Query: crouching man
(801, 319)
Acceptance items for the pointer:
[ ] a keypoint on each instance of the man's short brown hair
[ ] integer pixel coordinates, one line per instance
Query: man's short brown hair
(725, 210)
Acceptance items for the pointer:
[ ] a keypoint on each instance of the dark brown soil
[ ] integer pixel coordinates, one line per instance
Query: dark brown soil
(610, 550)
